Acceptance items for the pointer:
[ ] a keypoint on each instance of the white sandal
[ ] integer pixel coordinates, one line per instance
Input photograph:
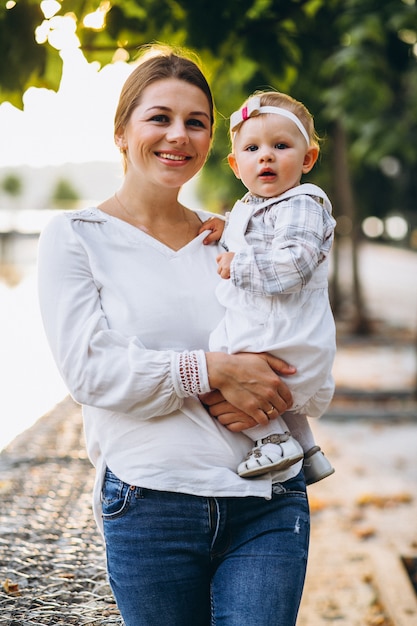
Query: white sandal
(316, 466)
(275, 452)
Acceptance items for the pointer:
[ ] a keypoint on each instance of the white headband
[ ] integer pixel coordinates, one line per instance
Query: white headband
(253, 107)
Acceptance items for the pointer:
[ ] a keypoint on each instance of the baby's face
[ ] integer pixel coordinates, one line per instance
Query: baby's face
(270, 155)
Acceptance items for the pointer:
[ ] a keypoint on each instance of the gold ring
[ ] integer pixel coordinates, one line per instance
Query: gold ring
(271, 410)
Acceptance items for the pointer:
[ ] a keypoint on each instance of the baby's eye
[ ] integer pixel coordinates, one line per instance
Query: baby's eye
(252, 148)
(281, 146)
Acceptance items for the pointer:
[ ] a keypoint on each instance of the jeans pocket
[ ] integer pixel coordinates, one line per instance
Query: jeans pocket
(116, 496)
(294, 486)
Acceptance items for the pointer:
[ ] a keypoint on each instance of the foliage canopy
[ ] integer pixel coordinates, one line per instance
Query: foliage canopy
(353, 62)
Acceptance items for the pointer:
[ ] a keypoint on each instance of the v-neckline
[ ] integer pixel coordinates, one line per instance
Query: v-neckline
(152, 241)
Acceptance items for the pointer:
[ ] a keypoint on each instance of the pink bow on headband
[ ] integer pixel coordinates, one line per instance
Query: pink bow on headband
(253, 107)
(250, 109)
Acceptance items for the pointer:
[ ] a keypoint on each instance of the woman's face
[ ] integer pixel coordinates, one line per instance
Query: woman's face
(168, 135)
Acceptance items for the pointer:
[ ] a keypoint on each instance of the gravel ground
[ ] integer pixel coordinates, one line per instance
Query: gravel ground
(52, 566)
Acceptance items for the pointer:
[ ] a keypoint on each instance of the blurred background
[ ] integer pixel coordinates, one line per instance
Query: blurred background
(352, 62)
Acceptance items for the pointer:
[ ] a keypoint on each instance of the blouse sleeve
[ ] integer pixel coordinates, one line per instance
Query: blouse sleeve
(294, 239)
(100, 366)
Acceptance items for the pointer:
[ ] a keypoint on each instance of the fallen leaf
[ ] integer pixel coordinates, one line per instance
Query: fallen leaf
(365, 532)
(11, 588)
(316, 504)
(370, 499)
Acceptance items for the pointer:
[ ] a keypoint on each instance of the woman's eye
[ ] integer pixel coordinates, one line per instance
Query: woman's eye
(159, 118)
(195, 122)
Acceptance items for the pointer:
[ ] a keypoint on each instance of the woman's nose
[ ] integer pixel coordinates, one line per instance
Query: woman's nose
(177, 132)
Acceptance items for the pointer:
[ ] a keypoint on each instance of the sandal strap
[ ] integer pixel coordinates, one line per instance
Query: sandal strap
(312, 451)
(276, 438)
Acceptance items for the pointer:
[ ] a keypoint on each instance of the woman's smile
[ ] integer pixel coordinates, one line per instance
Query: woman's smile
(174, 157)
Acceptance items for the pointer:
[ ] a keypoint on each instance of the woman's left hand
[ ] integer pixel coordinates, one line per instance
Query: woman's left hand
(229, 416)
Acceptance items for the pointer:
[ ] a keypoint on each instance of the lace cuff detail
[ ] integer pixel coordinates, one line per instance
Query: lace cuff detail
(191, 373)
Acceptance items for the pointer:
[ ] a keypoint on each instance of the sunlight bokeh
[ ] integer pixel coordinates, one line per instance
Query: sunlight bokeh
(74, 124)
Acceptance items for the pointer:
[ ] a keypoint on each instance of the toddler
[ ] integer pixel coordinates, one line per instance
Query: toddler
(275, 290)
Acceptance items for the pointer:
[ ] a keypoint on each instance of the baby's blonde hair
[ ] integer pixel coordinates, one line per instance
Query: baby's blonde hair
(283, 100)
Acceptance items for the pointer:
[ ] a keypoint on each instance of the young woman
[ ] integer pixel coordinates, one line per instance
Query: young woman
(127, 293)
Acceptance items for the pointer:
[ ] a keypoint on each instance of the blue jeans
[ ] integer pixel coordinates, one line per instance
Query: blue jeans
(182, 560)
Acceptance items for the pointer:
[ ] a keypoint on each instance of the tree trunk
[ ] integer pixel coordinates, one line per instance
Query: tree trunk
(346, 207)
(334, 289)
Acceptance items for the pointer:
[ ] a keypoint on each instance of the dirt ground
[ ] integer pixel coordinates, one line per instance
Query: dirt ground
(363, 523)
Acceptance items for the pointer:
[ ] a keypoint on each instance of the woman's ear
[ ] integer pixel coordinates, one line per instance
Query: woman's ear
(310, 158)
(233, 164)
(120, 141)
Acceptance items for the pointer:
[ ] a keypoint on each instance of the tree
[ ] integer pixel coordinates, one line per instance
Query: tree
(369, 108)
(12, 186)
(64, 194)
(23, 62)
(353, 62)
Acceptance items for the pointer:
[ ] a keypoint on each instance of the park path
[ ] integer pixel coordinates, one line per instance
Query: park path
(52, 564)
(52, 567)
(363, 523)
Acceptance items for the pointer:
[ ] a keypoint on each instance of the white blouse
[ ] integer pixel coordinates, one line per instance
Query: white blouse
(120, 310)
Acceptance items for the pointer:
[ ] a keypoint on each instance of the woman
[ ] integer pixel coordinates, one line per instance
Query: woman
(127, 298)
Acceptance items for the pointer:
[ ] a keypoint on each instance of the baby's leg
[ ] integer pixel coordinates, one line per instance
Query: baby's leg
(300, 429)
(316, 466)
(260, 431)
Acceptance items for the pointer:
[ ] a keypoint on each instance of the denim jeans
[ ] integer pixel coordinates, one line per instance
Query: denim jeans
(181, 560)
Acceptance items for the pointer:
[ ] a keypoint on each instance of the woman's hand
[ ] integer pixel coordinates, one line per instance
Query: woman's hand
(225, 413)
(250, 384)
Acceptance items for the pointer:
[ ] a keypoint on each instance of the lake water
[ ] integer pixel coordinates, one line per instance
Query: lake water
(29, 381)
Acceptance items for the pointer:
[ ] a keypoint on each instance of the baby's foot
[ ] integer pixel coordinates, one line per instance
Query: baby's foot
(275, 452)
(316, 466)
